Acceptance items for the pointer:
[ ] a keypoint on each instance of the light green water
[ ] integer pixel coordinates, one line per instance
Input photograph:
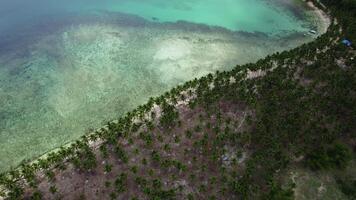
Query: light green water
(252, 15)
(87, 62)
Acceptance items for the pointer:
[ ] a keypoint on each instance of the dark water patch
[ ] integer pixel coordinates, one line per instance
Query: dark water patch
(296, 8)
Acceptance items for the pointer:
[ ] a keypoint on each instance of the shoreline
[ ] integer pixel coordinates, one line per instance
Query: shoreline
(324, 21)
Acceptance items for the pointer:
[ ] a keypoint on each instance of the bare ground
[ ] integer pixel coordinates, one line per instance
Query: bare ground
(200, 166)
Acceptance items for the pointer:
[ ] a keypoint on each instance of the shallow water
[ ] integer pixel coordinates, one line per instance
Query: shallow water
(254, 15)
(68, 67)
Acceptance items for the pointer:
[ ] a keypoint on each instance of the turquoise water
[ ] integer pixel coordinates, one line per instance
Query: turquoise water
(66, 67)
(253, 15)
(265, 16)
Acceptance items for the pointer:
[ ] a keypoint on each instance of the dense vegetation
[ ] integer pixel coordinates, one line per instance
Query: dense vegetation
(304, 106)
(345, 11)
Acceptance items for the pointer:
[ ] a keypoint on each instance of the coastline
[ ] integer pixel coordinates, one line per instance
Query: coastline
(324, 19)
(58, 97)
(324, 22)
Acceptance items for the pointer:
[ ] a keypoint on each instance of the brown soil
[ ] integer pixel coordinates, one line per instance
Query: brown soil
(204, 176)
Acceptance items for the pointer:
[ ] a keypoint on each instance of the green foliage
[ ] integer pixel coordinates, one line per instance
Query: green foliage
(347, 186)
(107, 184)
(121, 183)
(50, 175)
(240, 187)
(169, 115)
(104, 151)
(85, 158)
(176, 139)
(113, 195)
(335, 156)
(144, 161)
(121, 154)
(53, 189)
(108, 168)
(147, 137)
(189, 134)
(278, 193)
(141, 181)
(155, 191)
(155, 156)
(345, 10)
(134, 169)
(36, 196)
(16, 192)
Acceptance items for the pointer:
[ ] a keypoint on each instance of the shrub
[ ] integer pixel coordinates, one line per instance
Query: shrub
(120, 183)
(336, 156)
(348, 187)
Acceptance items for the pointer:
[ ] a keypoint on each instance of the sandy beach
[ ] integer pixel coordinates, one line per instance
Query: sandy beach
(325, 19)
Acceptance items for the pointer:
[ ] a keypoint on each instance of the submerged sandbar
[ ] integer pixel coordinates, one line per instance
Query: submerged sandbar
(72, 73)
